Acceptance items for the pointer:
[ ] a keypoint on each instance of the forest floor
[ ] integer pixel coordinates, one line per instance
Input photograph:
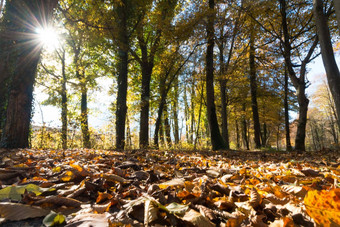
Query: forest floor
(83, 187)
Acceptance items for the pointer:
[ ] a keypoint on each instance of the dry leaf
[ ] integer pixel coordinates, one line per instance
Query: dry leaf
(255, 198)
(197, 219)
(295, 190)
(60, 201)
(17, 211)
(324, 206)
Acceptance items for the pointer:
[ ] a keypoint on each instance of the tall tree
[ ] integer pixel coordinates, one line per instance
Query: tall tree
(123, 50)
(215, 135)
(299, 82)
(22, 54)
(155, 19)
(253, 89)
(327, 53)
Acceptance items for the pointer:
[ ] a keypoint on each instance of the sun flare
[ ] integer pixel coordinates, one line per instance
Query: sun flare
(48, 37)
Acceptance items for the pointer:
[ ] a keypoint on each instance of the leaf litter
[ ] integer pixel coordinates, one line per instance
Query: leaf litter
(83, 187)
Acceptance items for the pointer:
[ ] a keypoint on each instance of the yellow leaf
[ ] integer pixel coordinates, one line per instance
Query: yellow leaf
(324, 206)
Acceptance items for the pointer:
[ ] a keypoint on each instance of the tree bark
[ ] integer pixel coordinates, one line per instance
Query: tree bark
(122, 80)
(161, 105)
(192, 113)
(224, 113)
(20, 66)
(167, 126)
(175, 114)
(286, 109)
(84, 118)
(303, 102)
(237, 135)
(244, 128)
(253, 91)
(63, 104)
(215, 135)
(327, 53)
(337, 12)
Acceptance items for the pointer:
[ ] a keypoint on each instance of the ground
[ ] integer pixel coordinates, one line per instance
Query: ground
(84, 187)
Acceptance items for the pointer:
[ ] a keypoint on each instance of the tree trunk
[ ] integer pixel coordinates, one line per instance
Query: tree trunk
(253, 91)
(22, 58)
(161, 133)
(122, 80)
(167, 126)
(145, 105)
(223, 87)
(286, 110)
(84, 118)
(244, 130)
(63, 104)
(175, 114)
(332, 70)
(192, 113)
(224, 113)
(337, 12)
(298, 82)
(237, 135)
(215, 135)
(264, 135)
(302, 122)
(199, 119)
(161, 105)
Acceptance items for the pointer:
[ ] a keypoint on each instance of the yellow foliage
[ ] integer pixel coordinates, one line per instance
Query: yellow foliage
(324, 206)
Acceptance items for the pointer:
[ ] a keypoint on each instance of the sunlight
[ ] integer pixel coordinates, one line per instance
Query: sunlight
(48, 37)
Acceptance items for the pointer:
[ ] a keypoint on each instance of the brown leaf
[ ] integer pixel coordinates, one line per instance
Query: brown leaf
(60, 201)
(86, 220)
(294, 190)
(114, 177)
(100, 209)
(255, 198)
(206, 212)
(197, 219)
(103, 196)
(17, 211)
(221, 189)
(257, 221)
(310, 172)
(283, 222)
(225, 205)
(273, 199)
(150, 212)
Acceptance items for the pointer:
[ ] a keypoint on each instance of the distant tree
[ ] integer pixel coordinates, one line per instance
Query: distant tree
(21, 53)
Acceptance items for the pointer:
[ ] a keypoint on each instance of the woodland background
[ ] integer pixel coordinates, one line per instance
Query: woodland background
(184, 74)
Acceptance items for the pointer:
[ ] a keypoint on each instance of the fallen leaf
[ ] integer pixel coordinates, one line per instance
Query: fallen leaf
(60, 201)
(172, 183)
(197, 219)
(324, 206)
(295, 190)
(176, 208)
(53, 219)
(17, 211)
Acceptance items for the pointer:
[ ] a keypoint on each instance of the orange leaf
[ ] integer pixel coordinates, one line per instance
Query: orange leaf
(324, 206)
